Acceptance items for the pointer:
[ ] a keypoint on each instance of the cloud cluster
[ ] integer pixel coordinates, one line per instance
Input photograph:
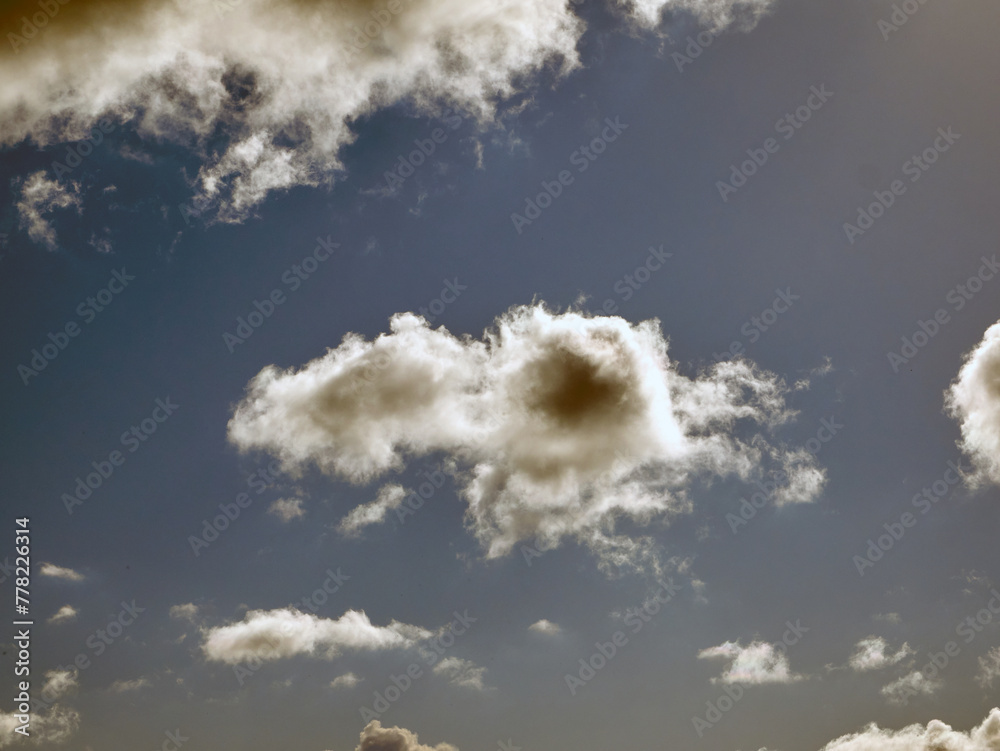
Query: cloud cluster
(374, 737)
(974, 400)
(553, 426)
(755, 664)
(39, 197)
(268, 93)
(935, 737)
(870, 654)
(287, 632)
(53, 725)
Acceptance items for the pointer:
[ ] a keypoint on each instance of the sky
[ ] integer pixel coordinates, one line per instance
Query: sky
(421, 375)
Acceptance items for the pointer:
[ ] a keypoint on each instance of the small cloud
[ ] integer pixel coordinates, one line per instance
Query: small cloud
(188, 611)
(287, 509)
(892, 618)
(461, 672)
(974, 400)
(135, 155)
(58, 572)
(39, 197)
(65, 613)
(377, 738)
(989, 668)
(287, 632)
(347, 680)
(545, 627)
(870, 654)
(101, 243)
(757, 663)
(390, 497)
(825, 369)
(59, 683)
(120, 687)
(910, 685)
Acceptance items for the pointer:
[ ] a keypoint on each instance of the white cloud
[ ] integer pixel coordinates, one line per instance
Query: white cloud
(545, 627)
(757, 663)
(287, 509)
(284, 83)
(554, 426)
(910, 685)
(936, 736)
(56, 725)
(65, 613)
(188, 611)
(974, 400)
(892, 618)
(58, 683)
(389, 498)
(461, 672)
(869, 654)
(53, 725)
(121, 687)
(377, 738)
(40, 197)
(286, 632)
(58, 572)
(347, 680)
(717, 14)
(989, 668)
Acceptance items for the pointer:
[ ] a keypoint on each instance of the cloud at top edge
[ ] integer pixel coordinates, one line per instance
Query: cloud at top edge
(267, 94)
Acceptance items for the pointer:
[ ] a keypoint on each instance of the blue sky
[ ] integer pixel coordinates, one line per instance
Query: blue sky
(490, 336)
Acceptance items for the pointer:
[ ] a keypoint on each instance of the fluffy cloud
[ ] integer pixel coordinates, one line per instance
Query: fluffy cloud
(40, 197)
(287, 509)
(65, 613)
(389, 498)
(58, 572)
(910, 685)
(554, 426)
(377, 738)
(757, 663)
(870, 654)
(266, 94)
(974, 400)
(935, 737)
(286, 632)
